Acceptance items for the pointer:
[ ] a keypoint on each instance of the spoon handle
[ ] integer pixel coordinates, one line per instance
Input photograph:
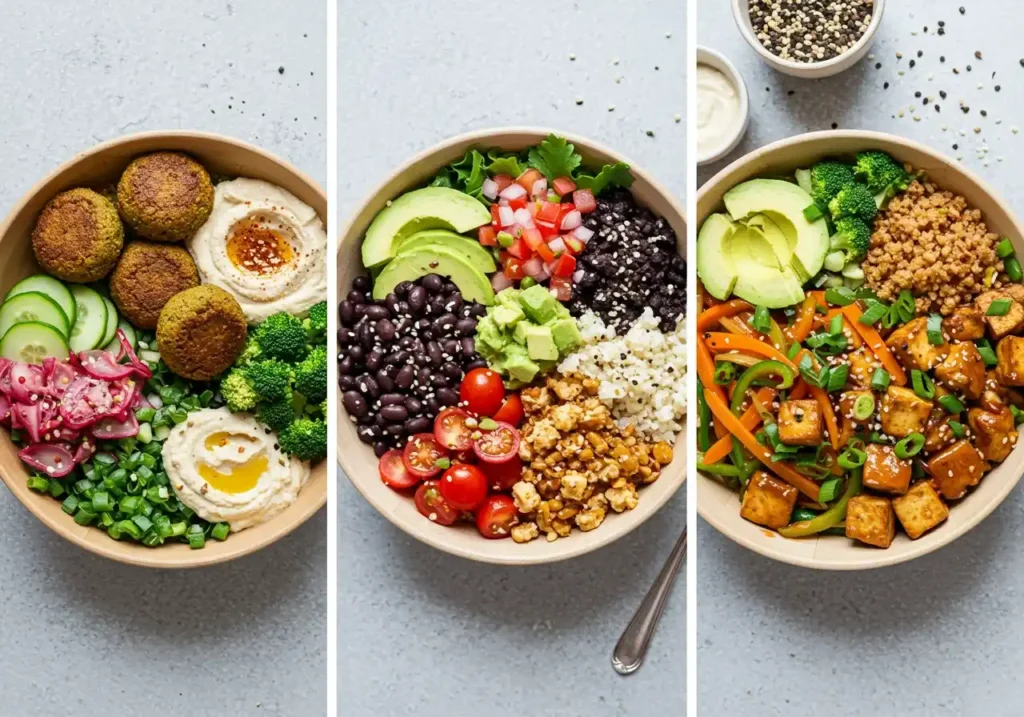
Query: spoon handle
(629, 652)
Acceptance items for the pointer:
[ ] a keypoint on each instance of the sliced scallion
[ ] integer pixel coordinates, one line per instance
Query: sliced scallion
(923, 385)
(999, 307)
(910, 446)
(951, 403)
(935, 330)
(880, 379)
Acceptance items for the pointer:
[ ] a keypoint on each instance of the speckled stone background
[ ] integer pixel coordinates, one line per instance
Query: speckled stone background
(420, 632)
(941, 635)
(80, 635)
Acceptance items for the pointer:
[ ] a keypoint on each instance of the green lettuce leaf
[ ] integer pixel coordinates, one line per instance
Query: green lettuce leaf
(611, 175)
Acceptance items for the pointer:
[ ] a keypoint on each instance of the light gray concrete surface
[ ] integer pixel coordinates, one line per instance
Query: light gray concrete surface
(420, 632)
(941, 635)
(80, 635)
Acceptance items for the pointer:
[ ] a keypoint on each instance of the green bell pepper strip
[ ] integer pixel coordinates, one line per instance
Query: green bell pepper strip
(831, 517)
(704, 420)
(757, 372)
(719, 469)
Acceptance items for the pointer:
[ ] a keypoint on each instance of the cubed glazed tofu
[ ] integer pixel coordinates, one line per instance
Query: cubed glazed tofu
(848, 400)
(800, 423)
(870, 519)
(1010, 353)
(963, 370)
(862, 368)
(1010, 322)
(938, 435)
(768, 501)
(910, 344)
(920, 510)
(995, 433)
(965, 324)
(884, 471)
(956, 469)
(903, 412)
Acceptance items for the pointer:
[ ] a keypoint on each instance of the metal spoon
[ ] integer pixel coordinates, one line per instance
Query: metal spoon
(631, 648)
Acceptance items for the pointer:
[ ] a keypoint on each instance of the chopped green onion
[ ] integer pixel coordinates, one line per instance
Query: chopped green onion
(725, 373)
(85, 517)
(38, 484)
(1013, 270)
(923, 384)
(935, 330)
(905, 306)
(910, 446)
(852, 458)
(813, 213)
(1018, 415)
(793, 350)
(196, 541)
(761, 320)
(143, 522)
(829, 490)
(220, 531)
(880, 379)
(988, 355)
(145, 415)
(958, 429)
(178, 529)
(874, 313)
(864, 407)
(70, 504)
(1004, 249)
(999, 307)
(840, 296)
(951, 403)
(837, 378)
(835, 326)
(101, 502)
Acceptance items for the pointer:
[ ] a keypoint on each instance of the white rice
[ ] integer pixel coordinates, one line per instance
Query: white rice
(642, 374)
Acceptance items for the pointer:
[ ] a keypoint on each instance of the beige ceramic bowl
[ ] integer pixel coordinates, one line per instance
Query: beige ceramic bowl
(102, 165)
(808, 70)
(720, 506)
(358, 460)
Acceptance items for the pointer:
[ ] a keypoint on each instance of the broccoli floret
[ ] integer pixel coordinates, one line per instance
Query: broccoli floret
(251, 352)
(270, 379)
(316, 323)
(311, 375)
(853, 237)
(306, 439)
(278, 415)
(238, 392)
(827, 179)
(323, 408)
(854, 200)
(881, 173)
(282, 336)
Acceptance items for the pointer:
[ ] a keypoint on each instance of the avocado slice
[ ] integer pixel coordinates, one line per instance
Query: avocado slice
(470, 249)
(427, 208)
(760, 278)
(411, 265)
(714, 265)
(783, 203)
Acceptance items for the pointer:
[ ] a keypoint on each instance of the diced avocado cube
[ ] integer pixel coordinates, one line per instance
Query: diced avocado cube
(540, 344)
(519, 365)
(508, 316)
(488, 336)
(561, 312)
(538, 303)
(519, 335)
(508, 297)
(566, 334)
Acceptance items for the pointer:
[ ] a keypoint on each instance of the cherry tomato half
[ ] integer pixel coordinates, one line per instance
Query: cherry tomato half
(421, 455)
(498, 445)
(496, 517)
(451, 431)
(464, 486)
(502, 476)
(483, 391)
(393, 472)
(511, 412)
(432, 505)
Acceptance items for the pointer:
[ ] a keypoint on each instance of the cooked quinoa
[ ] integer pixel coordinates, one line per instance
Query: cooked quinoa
(930, 241)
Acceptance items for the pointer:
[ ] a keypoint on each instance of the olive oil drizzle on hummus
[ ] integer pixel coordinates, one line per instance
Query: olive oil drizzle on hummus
(243, 477)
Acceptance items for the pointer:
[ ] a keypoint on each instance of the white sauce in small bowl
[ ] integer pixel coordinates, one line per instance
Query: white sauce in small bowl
(718, 109)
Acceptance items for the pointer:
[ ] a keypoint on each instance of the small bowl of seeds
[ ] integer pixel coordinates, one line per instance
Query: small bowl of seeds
(809, 38)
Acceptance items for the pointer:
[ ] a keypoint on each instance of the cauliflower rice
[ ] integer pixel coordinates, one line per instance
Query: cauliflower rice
(642, 374)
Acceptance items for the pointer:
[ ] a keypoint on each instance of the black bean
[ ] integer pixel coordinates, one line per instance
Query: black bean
(439, 381)
(356, 353)
(368, 419)
(403, 326)
(466, 327)
(347, 383)
(385, 330)
(478, 310)
(436, 306)
(468, 346)
(380, 448)
(445, 324)
(354, 404)
(361, 283)
(434, 352)
(366, 334)
(413, 405)
(406, 375)
(453, 302)
(402, 307)
(432, 283)
(422, 389)
(424, 374)
(375, 313)
(395, 429)
(452, 371)
(391, 301)
(365, 434)
(418, 425)
(397, 358)
(479, 363)
(395, 413)
(380, 421)
(432, 405)
(374, 359)
(356, 297)
(368, 385)
(403, 288)
(346, 313)
(451, 346)
(386, 383)
(447, 396)
(417, 299)
(392, 399)
(420, 359)
(346, 337)
(359, 311)
(449, 288)
(346, 366)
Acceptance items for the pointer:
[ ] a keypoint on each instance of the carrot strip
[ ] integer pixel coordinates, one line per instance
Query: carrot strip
(739, 327)
(750, 419)
(708, 318)
(732, 423)
(874, 341)
(732, 342)
(801, 328)
(706, 369)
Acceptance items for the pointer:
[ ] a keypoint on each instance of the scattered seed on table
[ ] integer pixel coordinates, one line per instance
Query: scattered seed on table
(878, 65)
(885, 86)
(801, 30)
(977, 54)
(998, 88)
(917, 94)
(942, 58)
(913, 63)
(920, 53)
(984, 113)
(942, 94)
(835, 125)
(963, 10)
(968, 68)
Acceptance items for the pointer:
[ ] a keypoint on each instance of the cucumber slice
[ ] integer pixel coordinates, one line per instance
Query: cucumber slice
(52, 288)
(33, 307)
(32, 342)
(90, 328)
(129, 331)
(111, 331)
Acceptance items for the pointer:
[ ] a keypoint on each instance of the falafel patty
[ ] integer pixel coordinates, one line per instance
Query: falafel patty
(78, 236)
(201, 331)
(165, 196)
(147, 276)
